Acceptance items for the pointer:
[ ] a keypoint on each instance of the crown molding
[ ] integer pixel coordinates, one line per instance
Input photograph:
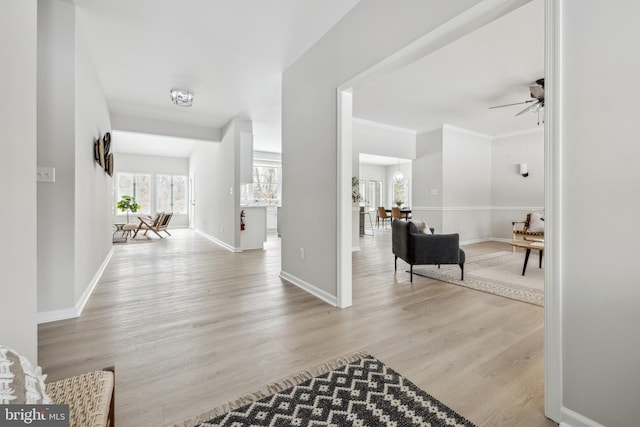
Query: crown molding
(384, 126)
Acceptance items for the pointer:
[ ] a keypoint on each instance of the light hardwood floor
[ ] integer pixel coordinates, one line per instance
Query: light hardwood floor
(190, 326)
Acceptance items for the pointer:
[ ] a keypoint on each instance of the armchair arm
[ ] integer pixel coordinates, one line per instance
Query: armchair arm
(515, 223)
(435, 249)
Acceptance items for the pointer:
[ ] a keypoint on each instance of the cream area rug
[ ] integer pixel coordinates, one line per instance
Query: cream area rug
(498, 273)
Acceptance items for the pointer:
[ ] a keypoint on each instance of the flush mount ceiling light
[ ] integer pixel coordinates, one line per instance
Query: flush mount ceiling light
(180, 97)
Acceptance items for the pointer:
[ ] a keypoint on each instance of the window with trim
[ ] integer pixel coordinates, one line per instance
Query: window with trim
(265, 189)
(374, 193)
(171, 194)
(401, 193)
(138, 186)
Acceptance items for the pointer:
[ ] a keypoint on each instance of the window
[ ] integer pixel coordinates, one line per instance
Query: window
(138, 186)
(374, 194)
(265, 189)
(171, 194)
(400, 193)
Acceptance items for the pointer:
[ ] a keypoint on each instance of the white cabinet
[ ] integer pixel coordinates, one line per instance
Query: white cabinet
(272, 217)
(255, 233)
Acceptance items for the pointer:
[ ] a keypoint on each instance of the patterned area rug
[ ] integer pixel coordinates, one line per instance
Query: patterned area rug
(498, 273)
(355, 391)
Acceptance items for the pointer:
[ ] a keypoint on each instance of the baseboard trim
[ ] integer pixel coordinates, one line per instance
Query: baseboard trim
(217, 241)
(573, 419)
(485, 239)
(76, 311)
(475, 208)
(55, 315)
(308, 287)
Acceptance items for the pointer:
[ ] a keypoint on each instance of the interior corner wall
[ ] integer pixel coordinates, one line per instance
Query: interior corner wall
(56, 148)
(427, 179)
(369, 33)
(466, 183)
(512, 195)
(600, 185)
(93, 186)
(216, 168)
(18, 121)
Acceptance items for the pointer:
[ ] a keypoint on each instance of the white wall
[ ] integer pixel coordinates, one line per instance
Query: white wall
(152, 165)
(56, 148)
(74, 222)
(427, 177)
(216, 167)
(93, 200)
(601, 185)
(466, 183)
(18, 304)
(375, 138)
(513, 195)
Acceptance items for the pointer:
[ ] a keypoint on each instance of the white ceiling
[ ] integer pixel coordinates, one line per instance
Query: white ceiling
(457, 84)
(230, 54)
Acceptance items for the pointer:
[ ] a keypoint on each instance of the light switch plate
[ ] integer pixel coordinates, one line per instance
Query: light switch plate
(46, 174)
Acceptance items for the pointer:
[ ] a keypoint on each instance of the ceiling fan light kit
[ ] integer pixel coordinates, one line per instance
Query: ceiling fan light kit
(181, 97)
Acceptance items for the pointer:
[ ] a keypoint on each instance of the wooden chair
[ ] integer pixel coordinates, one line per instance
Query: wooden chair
(396, 213)
(382, 215)
(521, 231)
(157, 224)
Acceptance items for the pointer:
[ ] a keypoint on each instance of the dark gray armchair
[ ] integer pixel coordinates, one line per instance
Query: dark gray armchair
(416, 248)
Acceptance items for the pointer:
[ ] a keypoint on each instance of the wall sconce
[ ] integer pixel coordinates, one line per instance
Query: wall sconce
(524, 171)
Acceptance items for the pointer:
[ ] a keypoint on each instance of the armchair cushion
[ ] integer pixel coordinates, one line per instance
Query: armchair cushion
(422, 226)
(536, 223)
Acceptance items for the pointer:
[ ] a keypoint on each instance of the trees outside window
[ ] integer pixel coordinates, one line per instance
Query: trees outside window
(171, 194)
(138, 186)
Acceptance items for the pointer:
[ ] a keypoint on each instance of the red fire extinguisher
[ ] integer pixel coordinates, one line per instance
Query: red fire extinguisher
(242, 220)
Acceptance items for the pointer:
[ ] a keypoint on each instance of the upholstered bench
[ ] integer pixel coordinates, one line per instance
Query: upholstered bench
(90, 396)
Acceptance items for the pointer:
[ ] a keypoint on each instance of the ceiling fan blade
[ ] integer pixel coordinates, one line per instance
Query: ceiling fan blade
(515, 103)
(529, 108)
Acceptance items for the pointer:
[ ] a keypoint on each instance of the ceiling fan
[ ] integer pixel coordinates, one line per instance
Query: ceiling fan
(537, 95)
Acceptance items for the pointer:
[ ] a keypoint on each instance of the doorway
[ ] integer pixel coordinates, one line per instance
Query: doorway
(347, 97)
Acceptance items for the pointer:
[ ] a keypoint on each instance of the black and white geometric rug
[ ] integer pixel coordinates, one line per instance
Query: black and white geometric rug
(361, 392)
